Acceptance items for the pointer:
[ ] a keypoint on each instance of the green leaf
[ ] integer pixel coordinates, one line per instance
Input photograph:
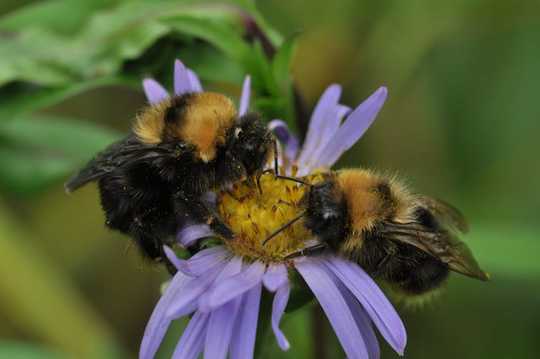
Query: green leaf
(45, 15)
(281, 64)
(281, 69)
(110, 39)
(39, 151)
(23, 172)
(18, 99)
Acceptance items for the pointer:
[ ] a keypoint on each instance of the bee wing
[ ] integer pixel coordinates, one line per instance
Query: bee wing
(440, 244)
(118, 154)
(449, 216)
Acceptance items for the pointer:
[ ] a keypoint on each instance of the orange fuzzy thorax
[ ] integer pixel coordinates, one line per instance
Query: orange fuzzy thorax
(371, 198)
(204, 122)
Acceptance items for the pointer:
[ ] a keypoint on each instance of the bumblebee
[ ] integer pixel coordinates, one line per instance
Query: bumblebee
(406, 240)
(155, 178)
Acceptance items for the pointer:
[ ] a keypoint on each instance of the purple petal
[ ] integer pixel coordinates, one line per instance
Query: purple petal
(194, 81)
(180, 264)
(191, 343)
(233, 267)
(278, 308)
(192, 233)
(207, 260)
(334, 305)
(193, 290)
(159, 323)
(353, 128)
(330, 127)
(200, 263)
(281, 130)
(363, 322)
(325, 106)
(182, 82)
(229, 288)
(154, 91)
(245, 328)
(275, 277)
(220, 327)
(244, 97)
(372, 299)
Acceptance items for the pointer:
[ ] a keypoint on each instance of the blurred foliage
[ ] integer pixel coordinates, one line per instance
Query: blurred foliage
(47, 59)
(461, 120)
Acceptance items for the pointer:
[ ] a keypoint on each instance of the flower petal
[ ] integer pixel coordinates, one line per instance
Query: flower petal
(245, 328)
(315, 134)
(278, 308)
(192, 233)
(182, 83)
(224, 290)
(353, 128)
(192, 290)
(194, 81)
(220, 327)
(281, 130)
(180, 264)
(363, 322)
(200, 263)
(206, 260)
(191, 343)
(244, 97)
(275, 277)
(159, 323)
(374, 301)
(331, 126)
(334, 305)
(154, 91)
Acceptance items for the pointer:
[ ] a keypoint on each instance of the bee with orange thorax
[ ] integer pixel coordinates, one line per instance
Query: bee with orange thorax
(407, 240)
(177, 150)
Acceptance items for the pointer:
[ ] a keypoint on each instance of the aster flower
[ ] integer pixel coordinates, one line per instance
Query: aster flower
(185, 81)
(221, 287)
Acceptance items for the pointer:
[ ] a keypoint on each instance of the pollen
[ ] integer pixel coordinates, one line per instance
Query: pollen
(254, 212)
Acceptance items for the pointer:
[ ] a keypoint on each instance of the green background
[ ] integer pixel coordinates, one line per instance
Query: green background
(462, 122)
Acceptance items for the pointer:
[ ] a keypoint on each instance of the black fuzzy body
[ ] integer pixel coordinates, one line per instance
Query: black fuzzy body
(148, 191)
(404, 266)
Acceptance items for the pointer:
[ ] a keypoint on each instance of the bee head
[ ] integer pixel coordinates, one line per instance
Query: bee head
(251, 143)
(200, 120)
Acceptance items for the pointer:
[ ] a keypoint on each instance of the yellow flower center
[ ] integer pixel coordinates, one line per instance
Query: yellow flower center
(254, 214)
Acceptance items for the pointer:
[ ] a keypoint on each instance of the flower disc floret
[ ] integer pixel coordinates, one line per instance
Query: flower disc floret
(253, 212)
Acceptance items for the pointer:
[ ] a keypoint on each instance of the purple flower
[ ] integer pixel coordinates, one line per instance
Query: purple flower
(222, 291)
(185, 81)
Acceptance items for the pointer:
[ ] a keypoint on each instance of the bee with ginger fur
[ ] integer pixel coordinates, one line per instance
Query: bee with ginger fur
(179, 149)
(404, 239)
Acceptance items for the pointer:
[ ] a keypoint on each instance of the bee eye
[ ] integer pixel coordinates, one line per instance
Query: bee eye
(237, 132)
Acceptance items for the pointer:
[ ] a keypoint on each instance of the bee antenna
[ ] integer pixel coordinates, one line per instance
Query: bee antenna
(294, 179)
(284, 227)
(276, 168)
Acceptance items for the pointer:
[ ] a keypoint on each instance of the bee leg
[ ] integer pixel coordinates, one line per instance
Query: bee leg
(168, 264)
(313, 250)
(150, 246)
(221, 228)
(276, 159)
(258, 181)
(202, 213)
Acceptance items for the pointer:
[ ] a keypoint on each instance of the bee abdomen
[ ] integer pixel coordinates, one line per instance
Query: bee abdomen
(405, 267)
